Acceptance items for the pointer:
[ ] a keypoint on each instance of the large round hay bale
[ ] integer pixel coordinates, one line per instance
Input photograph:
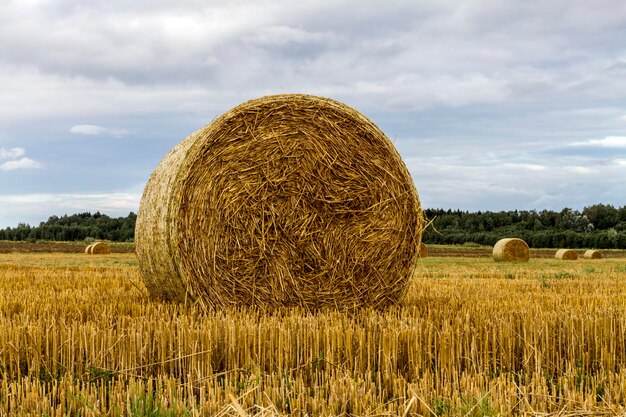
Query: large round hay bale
(88, 249)
(592, 254)
(100, 248)
(511, 250)
(287, 200)
(566, 255)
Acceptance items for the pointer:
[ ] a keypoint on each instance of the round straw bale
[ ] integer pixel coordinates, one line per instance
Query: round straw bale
(88, 249)
(423, 252)
(100, 248)
(511, 250)
(592, 254)
(566, 255)
(287, 200)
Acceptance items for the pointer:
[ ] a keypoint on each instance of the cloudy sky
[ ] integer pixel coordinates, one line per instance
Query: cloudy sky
(493, 105)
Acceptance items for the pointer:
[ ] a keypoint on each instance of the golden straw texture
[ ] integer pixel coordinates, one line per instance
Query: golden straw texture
(511, 250)
(592, 254)
(566, 255)
(88, 249)
(287, 200)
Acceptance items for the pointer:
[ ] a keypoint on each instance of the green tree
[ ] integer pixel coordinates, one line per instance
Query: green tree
(602, 216)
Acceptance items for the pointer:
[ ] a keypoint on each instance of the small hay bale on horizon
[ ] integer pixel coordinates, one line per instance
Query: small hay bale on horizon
(100, 248)
(566, 255)
(592, 254)
(285, 200)
(423, 251)
(511, 250)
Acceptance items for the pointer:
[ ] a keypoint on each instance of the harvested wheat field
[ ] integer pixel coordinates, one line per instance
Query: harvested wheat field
(79, 335)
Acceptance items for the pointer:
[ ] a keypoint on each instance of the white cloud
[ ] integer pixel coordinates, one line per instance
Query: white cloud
(621, 162)
(579, 170)
(94, 130)
(12, 153)
(16, 160)
(607, 142)
(88, 129)
(23, 163)
(529, 167)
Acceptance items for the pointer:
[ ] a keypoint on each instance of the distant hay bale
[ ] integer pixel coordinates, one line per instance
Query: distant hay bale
(592, 254)
(511, 250)
(423, 252)
(287, 200)
(88, 249)
(100, 248)
(566, 255)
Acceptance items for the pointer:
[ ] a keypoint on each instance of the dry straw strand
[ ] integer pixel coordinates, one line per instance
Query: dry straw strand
(592, 254)
(88, 249)
(566, 255)
(511, 250)
(286, 200)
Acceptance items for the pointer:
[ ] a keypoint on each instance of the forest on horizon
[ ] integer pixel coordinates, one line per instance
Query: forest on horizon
(600, 226)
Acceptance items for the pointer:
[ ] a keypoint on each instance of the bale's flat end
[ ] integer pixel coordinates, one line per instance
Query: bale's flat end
(288, 200)
(592, 254)
(566, 255)
(100, 248)
(511, 250)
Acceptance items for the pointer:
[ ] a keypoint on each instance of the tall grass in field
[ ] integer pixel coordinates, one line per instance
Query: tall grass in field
(79, 336)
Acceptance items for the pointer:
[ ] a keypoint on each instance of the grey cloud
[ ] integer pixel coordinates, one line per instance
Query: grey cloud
(483, 98)
(504, 186)
(603, 151)
(425, 55)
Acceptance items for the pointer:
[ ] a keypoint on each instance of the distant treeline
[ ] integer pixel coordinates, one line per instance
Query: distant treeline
(599, 226)
(76, 227)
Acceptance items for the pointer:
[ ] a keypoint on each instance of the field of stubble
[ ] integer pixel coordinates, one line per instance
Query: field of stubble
(79, 336)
